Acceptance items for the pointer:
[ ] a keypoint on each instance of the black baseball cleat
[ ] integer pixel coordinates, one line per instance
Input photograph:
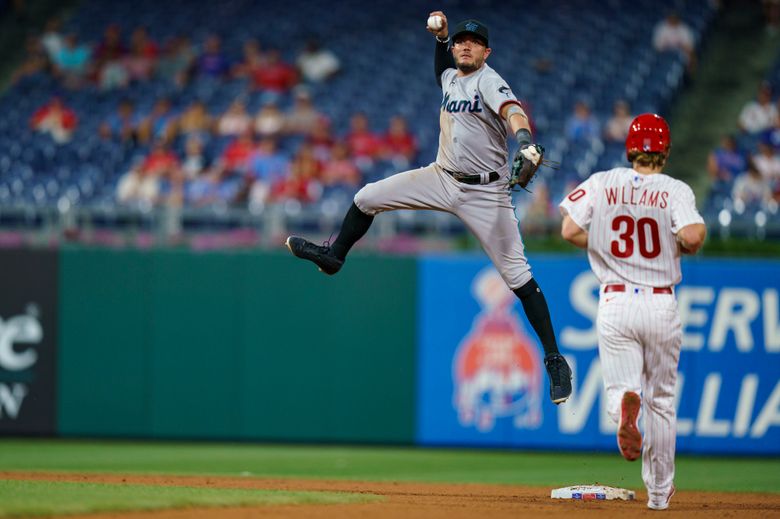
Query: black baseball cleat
(560, 377)
(317, 254)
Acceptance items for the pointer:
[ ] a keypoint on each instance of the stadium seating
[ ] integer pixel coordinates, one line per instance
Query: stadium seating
(597, 51)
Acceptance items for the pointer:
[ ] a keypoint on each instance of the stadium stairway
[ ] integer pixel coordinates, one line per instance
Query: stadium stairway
(731, 66)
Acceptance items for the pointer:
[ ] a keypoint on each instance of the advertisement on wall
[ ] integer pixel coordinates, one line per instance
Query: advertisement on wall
(28, 332)
(481, 379)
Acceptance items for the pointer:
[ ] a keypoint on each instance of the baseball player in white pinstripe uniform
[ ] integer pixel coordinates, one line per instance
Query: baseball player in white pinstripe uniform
(635, 222)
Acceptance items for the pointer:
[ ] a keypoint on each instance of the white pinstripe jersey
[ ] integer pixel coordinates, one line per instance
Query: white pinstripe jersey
(632, 220)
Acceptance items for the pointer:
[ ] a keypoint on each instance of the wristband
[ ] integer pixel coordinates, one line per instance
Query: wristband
(523, 136)
(445, 40)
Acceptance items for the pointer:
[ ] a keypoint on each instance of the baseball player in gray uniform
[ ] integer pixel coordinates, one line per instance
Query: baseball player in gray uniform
(469, 179)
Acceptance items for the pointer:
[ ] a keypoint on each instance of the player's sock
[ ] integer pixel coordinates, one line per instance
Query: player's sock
(535, 306)
(355, 225)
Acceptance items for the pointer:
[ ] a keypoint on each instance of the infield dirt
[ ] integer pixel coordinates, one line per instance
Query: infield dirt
(423, 500)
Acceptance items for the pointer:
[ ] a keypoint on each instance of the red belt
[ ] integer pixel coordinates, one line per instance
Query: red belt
(622, 288)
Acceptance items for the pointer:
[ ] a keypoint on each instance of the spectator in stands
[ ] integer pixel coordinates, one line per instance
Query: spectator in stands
(139, 39)
(196, 122)
(364, 145)
(772, 16)
(253, 58)
(213, 63)
(340, 170)
(234, 159)
(317, 64)
(269, 121)
(219, 185)
(161, 123)
(582, 125)
(52, 39)
(195, 162)
(616, 129)
(142, 184)
(759, 114)
(267, 172)
(140, 61)
(540, 210)
(110, 47)
(72, 61)
(109, 53)
(275, 76)
(751, 189)
(122, 124)
(772, 135)
(303, 183)
(36, 60)
(725, 162)
(55, 119)
(177, 61)
(235, 121)
(321, 139)
(399, 145)
(674, 35)
(303, 116)
(767, 162)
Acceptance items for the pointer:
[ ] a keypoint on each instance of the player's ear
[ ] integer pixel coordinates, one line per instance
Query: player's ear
(487, 52)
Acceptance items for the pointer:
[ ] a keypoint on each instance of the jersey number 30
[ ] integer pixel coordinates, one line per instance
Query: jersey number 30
(646, 233)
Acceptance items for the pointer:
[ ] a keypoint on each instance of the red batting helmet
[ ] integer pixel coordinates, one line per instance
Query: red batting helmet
(648, 133)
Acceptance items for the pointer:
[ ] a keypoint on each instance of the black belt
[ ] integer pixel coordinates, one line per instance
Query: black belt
(472, 179)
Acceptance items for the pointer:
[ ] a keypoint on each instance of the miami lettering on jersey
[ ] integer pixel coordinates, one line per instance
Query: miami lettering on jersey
(628, 196)
(460, 105)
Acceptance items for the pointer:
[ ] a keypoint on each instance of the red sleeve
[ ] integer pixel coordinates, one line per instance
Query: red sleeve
(69, 120)
(39, 115)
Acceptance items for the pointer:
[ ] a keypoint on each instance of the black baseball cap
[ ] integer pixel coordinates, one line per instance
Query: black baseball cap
(471, 26)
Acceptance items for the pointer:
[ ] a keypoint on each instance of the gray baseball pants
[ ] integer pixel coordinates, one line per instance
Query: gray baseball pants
(486, 210)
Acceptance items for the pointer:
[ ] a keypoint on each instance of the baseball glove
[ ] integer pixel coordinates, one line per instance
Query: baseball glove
(525, 164)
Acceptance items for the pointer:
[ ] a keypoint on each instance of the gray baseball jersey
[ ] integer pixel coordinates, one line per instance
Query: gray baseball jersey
(473, 134)
(472, 141)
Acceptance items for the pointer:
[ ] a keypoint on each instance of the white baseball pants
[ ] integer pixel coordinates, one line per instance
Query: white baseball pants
(640, 335)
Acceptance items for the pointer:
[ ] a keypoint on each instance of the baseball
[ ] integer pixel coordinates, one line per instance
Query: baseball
(435, 22)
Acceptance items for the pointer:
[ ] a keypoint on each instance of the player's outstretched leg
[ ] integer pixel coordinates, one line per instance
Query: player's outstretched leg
(628, 436)
(330, 258)
(535, 306)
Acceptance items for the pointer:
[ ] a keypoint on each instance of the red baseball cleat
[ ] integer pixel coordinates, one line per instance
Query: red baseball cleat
(628, 436)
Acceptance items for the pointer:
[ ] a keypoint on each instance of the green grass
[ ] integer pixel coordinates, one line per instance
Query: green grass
(47, 498)
(380, 464)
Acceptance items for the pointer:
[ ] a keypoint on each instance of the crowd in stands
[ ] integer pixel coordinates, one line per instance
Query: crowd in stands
(745, 167)
(251, 167)
(213, 114)
(193, 156)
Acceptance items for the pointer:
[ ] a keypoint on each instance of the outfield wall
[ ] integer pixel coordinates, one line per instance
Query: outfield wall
(728, 395)
(431, 350)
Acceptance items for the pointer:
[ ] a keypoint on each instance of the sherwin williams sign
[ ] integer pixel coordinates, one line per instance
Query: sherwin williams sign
(481, 381)
(28, 340)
